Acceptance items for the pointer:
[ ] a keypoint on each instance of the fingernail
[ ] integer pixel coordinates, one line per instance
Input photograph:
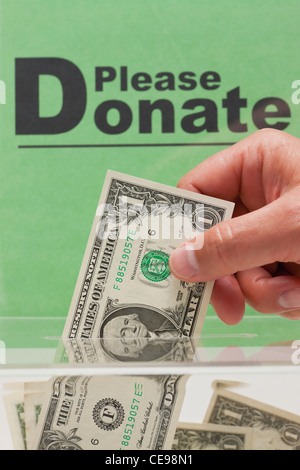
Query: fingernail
(290, 299)
(183, 261)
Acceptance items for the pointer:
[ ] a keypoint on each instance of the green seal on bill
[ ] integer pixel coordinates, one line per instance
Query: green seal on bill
(155, 266)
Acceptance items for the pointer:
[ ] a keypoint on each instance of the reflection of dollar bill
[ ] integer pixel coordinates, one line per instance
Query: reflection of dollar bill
(104, 412)
(194, 436)
(125, 290)
(274, 428)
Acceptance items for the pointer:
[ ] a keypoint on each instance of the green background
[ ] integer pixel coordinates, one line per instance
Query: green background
(49, 196)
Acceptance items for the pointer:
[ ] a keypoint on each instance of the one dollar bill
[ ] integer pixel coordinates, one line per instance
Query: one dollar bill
(126, 295)
(194, 436)
(14, 404)
(275, 429)
(110, 413)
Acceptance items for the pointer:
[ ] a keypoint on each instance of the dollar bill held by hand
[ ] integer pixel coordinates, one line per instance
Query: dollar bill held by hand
(110, 413)
(125, 294)
(275, 429)
(194, 436)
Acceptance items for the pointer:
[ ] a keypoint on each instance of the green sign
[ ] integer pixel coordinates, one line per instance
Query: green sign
(145, 88)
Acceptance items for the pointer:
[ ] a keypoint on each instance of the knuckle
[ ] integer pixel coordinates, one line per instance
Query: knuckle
(268, 140)
(187, 182)
(268, 133)
(293, 315)
(290, 231)
(221, 244)
(182, 183)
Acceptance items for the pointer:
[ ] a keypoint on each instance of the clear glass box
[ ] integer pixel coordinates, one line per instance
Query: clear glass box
(263, 352)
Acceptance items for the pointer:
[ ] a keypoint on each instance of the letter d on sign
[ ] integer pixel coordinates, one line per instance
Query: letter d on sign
(28, 120)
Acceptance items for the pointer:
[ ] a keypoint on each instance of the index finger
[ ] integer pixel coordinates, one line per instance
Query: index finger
(238, 172)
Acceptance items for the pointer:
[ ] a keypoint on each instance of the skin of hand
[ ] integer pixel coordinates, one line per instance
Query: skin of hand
(255, 256)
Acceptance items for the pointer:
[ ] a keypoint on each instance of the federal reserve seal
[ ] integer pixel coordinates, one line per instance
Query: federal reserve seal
(108, 414)
(155, 266)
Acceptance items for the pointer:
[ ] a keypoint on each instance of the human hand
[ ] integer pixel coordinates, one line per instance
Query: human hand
(255, 256)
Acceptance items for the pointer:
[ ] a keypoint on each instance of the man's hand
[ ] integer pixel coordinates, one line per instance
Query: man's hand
(255, 257)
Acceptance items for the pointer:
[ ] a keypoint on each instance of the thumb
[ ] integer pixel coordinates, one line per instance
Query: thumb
(260, 237)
